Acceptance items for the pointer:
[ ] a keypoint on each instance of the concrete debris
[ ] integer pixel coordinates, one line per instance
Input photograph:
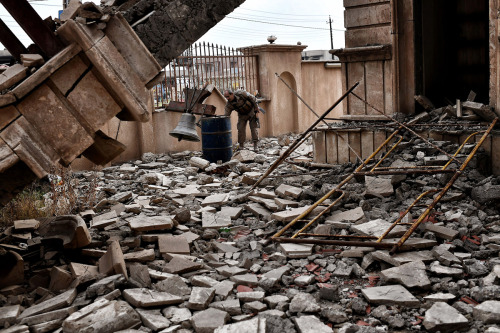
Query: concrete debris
(189, 257)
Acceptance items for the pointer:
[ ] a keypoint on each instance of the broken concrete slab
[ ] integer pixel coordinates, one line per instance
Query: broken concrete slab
(231, 306)
(179, 265)
(215, 221)
(255, 325)
(177, 315)
(303, 302)
(60, 279)
(103, 220)
(148, 223)
(153, 319)
(113, 262)
(102, 316)
(140, 256)
(284, 204)
(352, 215)
(377, 228)
(60, 301)
(173, 244)
(401, 258)
(292, 250)
(488, 312)
(258, 211)
(49, 316)
(250, 296)
(145, 298)
(215, 200)
(439, 269)
(390, 295)
(207, 321)
(105, 285)
(233, 212)
(174, 285)
(249, 280)
(443, 317)
(378, 187)
(70, 229)
(311, 324)
(200, 298)
(410, 275)
(285, 191)
(8, 314)
(442, 232)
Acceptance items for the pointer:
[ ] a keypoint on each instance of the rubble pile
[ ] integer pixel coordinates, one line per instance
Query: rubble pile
(177, 244)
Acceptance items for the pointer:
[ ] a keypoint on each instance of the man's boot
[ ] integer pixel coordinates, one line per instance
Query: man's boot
(255, 146)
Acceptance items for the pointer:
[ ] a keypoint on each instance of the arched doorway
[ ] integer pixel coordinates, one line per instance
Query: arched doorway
(287, 104)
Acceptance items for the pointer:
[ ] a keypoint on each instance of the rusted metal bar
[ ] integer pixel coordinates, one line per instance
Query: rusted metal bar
(339, 186)
(388, 153)
(294, 144)
(403, 172)
(10, 41)
(34, 26)
(337, 236)
(334, 242)
(460, 148)
(415, 225)
(400, 218)
(201, 109)
(320, 214)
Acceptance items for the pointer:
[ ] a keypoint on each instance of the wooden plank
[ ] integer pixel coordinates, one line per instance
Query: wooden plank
(29, 145)
(343, 149)
(375, 14)
(93, 102)
(331, 147)
(46, 70)
(495, 155)
(367, 144)
(378, 138)
(86, 37)
(117, 76)
(58, 127)
(389, 88)
(104, 149)
(7, 99)
(34, 26)
(356, 72)
(365, 36)
(10, 41)
(7, 115)
(318, 138)
(66, 76)
(354, 3)
(197, 108)
(374, 72)
(7, 157)
(355, 143)
(139, 57)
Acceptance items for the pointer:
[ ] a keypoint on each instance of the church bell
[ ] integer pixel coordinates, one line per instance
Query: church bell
(186, 128)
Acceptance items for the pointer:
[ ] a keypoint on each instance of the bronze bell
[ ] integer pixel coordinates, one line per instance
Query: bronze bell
(186, 128)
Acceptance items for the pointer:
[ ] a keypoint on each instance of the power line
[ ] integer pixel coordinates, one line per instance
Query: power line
(262, 11)
(285, 25)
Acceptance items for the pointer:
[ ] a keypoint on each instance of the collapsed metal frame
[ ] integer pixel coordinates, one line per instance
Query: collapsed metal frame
(372, 241)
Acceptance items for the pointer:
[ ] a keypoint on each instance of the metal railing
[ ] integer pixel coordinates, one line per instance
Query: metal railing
(202, 63)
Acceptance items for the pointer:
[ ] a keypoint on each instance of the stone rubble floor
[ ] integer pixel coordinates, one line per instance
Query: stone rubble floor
(180, 248)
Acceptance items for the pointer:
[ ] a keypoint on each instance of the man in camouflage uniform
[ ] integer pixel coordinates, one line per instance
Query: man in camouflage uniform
(246, 106)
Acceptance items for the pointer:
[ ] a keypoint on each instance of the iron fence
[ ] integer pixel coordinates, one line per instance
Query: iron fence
(205, 63)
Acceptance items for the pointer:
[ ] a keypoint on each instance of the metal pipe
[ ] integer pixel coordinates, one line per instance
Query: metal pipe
(294, 144)
(460, 148)
(388, 153)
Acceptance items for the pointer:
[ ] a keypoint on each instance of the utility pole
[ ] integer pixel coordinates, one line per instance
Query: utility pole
(331, 33)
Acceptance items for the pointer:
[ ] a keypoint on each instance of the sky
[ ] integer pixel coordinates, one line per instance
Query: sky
(291, 21)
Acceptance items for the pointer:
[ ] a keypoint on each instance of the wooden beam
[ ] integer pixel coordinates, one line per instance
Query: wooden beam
(205, 109)
(34, 26)
(10, 41)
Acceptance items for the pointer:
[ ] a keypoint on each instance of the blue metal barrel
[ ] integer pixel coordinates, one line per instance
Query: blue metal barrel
(216, 141)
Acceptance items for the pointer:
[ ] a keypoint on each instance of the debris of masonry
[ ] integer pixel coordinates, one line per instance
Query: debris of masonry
(172, 247)
(404, 239)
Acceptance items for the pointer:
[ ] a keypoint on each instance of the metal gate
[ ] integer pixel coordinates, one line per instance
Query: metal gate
(202, 63)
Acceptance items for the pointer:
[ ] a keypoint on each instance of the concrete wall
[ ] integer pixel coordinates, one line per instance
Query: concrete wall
(317, 84)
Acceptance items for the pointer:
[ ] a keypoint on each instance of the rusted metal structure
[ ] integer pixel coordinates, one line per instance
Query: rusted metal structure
(363, 170)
